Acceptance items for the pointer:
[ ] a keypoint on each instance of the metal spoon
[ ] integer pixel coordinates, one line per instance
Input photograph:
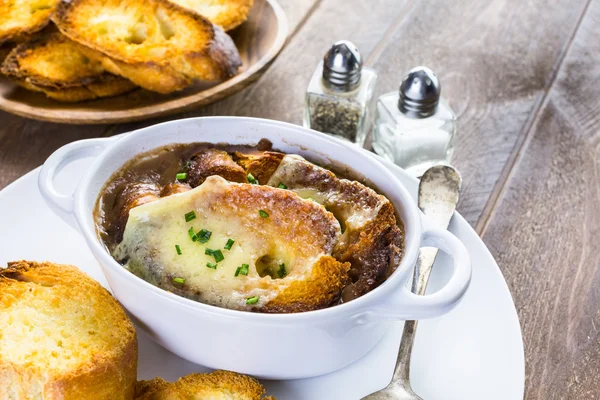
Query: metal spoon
(438, 195)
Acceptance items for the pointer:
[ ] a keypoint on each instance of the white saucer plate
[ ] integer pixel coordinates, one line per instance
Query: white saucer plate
(475, 352)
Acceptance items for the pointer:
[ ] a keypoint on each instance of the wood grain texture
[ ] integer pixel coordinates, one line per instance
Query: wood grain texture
(544, 230)
(495, 60)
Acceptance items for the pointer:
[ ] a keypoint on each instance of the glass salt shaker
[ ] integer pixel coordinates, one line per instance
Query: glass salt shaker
(415, 127)
(338, 94)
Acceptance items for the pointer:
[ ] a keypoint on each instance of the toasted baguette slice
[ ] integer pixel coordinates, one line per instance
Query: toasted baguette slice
(228, 14)
(53, 64)
(217, 385)
(62, 336)
(156, 44)
(19, 18)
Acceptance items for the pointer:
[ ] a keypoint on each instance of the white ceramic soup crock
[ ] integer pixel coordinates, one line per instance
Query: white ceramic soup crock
(271, 346)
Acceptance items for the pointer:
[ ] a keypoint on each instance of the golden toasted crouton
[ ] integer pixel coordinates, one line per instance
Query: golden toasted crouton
(62, 336)
(228, 14)
(53, 64)
(154, 43)
(371, 240)
(20, 18)
(217, 385)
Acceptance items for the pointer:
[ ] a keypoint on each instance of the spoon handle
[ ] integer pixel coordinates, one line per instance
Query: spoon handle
(419, 285)
(438, 195)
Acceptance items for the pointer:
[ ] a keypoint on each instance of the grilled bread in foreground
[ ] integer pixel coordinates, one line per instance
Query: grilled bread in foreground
(156, 44)
(54, 64)
(20, 18)
(228, 14)
(62, 336)
(218, 385)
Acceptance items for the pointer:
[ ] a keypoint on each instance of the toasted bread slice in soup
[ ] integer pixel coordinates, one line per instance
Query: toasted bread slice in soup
(19, 18)
(228, 14)
(280, 260)
(371, 241)
(62, 336)
(54, 64)
(156, 44)
(217, 385)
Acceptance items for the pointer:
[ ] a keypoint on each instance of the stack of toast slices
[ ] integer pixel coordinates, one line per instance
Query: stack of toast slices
(77, 50)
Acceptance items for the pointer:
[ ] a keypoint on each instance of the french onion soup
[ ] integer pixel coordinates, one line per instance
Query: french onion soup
(248, 227)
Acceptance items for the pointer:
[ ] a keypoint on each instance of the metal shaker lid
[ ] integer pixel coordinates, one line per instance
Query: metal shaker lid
(342, 66)
(419, 93)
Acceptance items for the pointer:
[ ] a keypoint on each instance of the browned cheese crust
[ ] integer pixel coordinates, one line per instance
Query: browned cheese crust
(166, 53)
(260, 165)
(102, 366)
(214, 162)
(215, 385)
(132, 196)
(374, 249)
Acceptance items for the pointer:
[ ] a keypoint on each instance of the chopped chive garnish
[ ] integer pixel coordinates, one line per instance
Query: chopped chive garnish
(263, 214)
(252, 300)
(217, 254)
(251, 179)
(282, 185)
(281, 273)
(211, 265)
(204, 236)
(244, 269)
(187, 165)
(190, 216)
(182, 176)
(179, 280)
(192, 234)
(178, 249)
(229, 243)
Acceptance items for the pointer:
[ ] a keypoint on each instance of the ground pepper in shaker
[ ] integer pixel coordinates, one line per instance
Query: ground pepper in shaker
(338, 94)
(414, 126)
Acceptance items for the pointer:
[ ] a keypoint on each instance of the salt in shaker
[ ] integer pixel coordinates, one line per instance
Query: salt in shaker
(338, 94)
(415, 127)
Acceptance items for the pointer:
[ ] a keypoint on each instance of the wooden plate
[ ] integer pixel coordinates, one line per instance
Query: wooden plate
(258, 40)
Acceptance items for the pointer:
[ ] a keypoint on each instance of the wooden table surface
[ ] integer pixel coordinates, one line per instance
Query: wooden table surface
(521, 75)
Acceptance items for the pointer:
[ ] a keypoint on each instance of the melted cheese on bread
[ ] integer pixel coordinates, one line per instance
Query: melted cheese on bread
(286, 242)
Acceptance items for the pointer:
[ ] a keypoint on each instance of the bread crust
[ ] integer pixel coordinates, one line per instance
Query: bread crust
(79, 81)
(34, 22)
(215, 385)
(228, 14)
(374, 247)
(110, 374)
(214, 56)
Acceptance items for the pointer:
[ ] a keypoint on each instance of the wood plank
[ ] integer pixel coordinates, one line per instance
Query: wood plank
(544, 230)
(495, 60)
(25, 144)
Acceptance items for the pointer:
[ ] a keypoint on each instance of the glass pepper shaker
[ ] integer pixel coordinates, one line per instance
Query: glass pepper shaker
(338, 94)
(415, 127)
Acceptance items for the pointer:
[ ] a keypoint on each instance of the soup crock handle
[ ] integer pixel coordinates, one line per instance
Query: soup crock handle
(409, 306)
(62, 203)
